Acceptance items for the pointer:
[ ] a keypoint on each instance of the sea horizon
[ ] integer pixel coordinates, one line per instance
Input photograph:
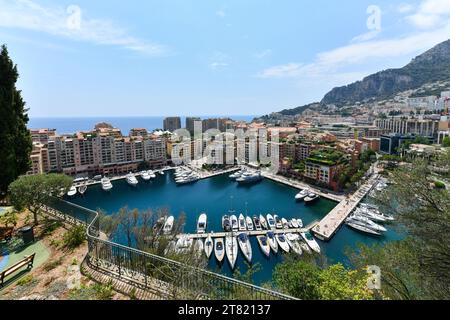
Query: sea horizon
(68, 125)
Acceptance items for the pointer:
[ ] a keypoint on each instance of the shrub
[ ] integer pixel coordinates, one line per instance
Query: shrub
(103, 292)
(74, 237)
(52, 265)
(439, 185)
(25, 280)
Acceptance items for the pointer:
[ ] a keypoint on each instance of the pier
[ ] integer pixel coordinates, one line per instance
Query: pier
(329, 225)
(249, 233)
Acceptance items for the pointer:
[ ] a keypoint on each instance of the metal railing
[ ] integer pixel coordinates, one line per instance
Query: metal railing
(170, 279)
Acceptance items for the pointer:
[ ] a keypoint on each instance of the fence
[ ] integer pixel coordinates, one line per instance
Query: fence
(170, 279)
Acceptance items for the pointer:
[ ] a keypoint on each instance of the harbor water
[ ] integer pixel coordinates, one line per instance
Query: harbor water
(213, 196)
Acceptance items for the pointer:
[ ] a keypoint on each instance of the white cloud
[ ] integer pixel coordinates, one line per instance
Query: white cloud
(218, 61)
(263, 54)
(282, 71)
(221, 13)
(405, 8)
(430, 14)
(366, 36)
(58, 21)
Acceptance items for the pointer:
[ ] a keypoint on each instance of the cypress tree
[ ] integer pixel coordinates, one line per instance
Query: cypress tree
(15, 138)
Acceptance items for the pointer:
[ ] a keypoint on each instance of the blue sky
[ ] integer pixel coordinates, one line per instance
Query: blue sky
(206, 57)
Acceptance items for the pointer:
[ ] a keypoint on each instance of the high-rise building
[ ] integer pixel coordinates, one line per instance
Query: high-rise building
(190, 124)
(172, 124)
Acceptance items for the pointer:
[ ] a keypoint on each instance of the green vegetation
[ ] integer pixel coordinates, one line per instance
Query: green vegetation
(327, 157)
(74, 237)
(30, 192)
(25, 280)
(439, 184)
(446, 142)
(15, 139)
(9, 219)
(52, 264)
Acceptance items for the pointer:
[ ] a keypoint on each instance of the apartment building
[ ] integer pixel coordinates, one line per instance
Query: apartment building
(418, 126)
(172, 124)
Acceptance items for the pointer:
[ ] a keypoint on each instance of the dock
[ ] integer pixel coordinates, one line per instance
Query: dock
(329, 225)
(254, 233)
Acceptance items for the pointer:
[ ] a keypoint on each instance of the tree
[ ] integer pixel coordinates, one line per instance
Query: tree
(30, 192)
(15, 139)
(446, 142)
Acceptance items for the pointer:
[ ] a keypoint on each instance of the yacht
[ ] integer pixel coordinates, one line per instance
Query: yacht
(226, 224)
(82, 189)
(201, 224)
(272, 241)
(302, 195)
(159, 225)
(168, 225)
(293, 224)
(237, 174)
(242, 225)
(145, 176)
(300, 223)
(161, 172)
(231, 249)
(363, 228)
(188, 180)
(151, 174)
(131, 180)
(183, 245)
(72, 192)
(271, 221)
(311, 198)
(292, 240)
(304, 246)
(278, 222)
(366, 222)
(106, 184)
(263, 222)
(374, 214)
(312, 243)
(257, 223)
(249, 177)
(234, 223)
(208, 246)
(281, 239)
(264, 245)
(219, 249)
(285, 223)
(249, 223)
(246, 248)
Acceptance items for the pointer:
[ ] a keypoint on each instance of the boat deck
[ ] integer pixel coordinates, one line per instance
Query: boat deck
(329, 225)
(249, 233)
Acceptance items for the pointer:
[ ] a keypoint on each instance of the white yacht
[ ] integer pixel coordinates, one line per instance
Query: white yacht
(231, 249)
(237, 174)
(292, 240)
(366, 222)
(311, 197)
(145, 176)
(263, 222)
(272, 241)
(312, 243)
(302, 195)
(285, 223)
(219, 249)
(72, 192)
(183, 245)
(304, 246)
(250, 177)
(271, 221)
(278, 222)
(249, 223)
(82, 189)
(246, 248)
(363, 228)
(234, 223)
(300, 223)
(208, 246)
(281, 238)
(131, 180)
(264, 245)
(168, 225)
(257, 223)
(294, 223)
(106, 184)
(151, 174)
(226, 223)
(242, 224)
(201, 223)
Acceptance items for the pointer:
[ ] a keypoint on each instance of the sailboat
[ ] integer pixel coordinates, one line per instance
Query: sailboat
(219, 249)
(234, 223)
(208, 246)
(264, 245)
(249, 222)
(168, 225)
(263, 222)
(242, 224)
(231, 249)
(246, 248)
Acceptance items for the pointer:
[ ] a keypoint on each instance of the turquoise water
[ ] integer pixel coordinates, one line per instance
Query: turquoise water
(213, 197)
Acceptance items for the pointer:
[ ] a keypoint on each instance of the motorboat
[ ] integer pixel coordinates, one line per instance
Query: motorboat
(168, 225)
(82, 189)
(311, 197)
(219, 249)
(231, 249)
(226, 224)
(366, 222)
(292, 240)
(188, 180)
(201, 223)
(264, 245)
(184, 244)
(294, 224)
(159, 225)
(242, 224)
(304, 246)
(302, 195)
(151, 174)
(271, 221)
(281, 239)
(257, 223)
(234, 223)
(72, 191)
(363, 228)
(278, 222)
(310, 241)
(161, 172)
(374, 214)
(249, 177)
(263, 222)
(106, 184)
(237, 174)
(249, 223)
(208, 246)
(131, 180)
(145, 176)
(300, 223)
(272, 241)
(246, 248)
(285, 223)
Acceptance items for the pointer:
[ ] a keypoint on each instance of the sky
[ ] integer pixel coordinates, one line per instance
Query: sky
(206, 57)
